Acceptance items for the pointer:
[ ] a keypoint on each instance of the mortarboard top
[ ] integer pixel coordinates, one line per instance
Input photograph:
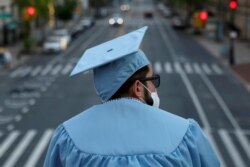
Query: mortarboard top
(113, 62)
(109, 51)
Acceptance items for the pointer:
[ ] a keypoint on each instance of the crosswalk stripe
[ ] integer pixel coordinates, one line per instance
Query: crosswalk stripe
(19, 71)
(206, 69)
(158, 68)
(188, 68)
(8, 142)
(36, 71)
(233, 152)
(37, 152)
(197, 68)
(244, 142)
(214, 146)
(56, 70)
(15, 155)
(177, 67)
(46, 70)
(217, 69)
(67, 69)
(168, 67)
(26, 72)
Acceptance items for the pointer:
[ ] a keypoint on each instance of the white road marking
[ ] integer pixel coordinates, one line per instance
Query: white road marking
(67, 69)
(177, 67)
(22, 71)
(215, 147)
(217, 69)
(243, 141)
(39, 149)
(157, 67)
(194, 98)
(5, 119)
(36, 71)
(8, 142)
(32, 102)
(46, 69)
(188, 68)
(197, 68)
(231, 149)
(168, 68)
(186, 81)
(206, 69)
(25, 110)
(240, 135)
(15, 155)
(18, 118)
(17, 71)
(10, 127)
(56, 70)
(26, 72)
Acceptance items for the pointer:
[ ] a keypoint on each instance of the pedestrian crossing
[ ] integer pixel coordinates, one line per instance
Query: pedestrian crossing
(159, 67)
(33, 71)
(29, 148)
(188, 68)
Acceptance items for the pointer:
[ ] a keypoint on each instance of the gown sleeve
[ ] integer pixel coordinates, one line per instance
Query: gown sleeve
(53, 158)
(200, 149)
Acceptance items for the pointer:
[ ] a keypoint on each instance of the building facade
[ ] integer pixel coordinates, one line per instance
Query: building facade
(8, 22)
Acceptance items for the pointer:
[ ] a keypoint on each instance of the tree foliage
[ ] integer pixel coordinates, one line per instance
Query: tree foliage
(65, 10)
(42, 12)
(40, 5)
(190, 3)
(98, 3)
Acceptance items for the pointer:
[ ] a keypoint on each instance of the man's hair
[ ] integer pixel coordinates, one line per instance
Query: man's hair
(124, 89)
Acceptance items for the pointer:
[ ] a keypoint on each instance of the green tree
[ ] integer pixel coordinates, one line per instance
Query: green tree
(98, 3)
(65, 10)
(42, 12)
(189, 4)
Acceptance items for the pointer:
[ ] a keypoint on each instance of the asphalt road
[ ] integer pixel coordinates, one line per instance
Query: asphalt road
(39, 95)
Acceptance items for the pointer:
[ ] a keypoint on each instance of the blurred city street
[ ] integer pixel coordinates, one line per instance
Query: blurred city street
(37, 93)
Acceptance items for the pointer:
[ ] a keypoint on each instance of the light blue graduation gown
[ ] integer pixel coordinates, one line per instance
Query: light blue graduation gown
(129, 133)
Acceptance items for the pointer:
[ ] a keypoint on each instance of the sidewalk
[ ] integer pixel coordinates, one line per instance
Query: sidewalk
(242, 56)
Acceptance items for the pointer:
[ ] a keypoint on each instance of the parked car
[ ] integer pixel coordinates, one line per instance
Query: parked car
(87, 22)
(76, 30)
(148, 14)
(64, 35)
(5, 58)
(180, 22)
(54, 44)
(116, 20)
(125, 7)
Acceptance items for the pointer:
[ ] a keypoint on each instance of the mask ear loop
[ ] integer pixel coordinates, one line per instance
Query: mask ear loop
(145, 87)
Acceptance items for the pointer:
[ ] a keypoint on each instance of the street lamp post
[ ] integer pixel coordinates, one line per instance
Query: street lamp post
(233, 4)
(233, 35)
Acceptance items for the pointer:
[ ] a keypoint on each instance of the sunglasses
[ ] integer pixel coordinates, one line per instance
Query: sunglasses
(155, 79)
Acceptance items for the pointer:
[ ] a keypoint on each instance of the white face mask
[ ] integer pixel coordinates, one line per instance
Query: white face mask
(154, 96)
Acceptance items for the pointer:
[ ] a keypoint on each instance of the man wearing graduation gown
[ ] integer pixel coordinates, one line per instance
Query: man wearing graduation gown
(127, 129)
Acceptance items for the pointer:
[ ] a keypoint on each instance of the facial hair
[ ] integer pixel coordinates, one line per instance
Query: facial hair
(148, 98)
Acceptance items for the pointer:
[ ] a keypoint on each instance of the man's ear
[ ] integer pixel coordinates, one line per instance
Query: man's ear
(137, 89)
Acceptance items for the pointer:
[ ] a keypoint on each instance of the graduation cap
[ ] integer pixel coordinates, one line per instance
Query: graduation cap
(113, 62)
